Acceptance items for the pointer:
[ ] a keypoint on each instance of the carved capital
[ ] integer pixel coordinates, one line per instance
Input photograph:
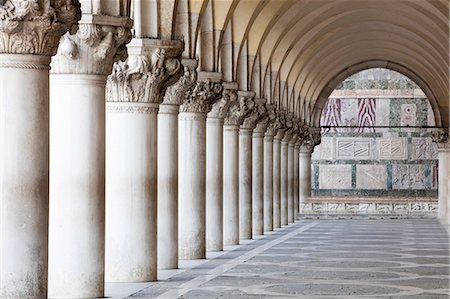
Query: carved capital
(273, 123)
(201, 96)
(440, 137)
(145, 76)
(239, 109)
(311, 136)
(221, 107)
(99, 42)
(176, 93)
(36, 26)
(257, 114)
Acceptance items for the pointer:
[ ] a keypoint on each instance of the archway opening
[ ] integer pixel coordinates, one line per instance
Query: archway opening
(376, 155)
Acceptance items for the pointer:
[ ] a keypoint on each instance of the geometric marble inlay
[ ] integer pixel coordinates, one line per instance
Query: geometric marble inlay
(392, 149)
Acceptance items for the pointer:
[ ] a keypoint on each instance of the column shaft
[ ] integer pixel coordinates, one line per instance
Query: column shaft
(284, 183)
(258, 183)
(24, 175)
(231, 185)
(443, 184)
(291, 211)
(191, 185)
(245, 184)
(305, 174)
(296, 181)
(214, 184)
(168, 187)
(77, 186)
(268, 183)
(277, 181)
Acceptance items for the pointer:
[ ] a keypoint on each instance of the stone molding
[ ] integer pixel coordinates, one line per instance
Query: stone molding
(176, 93)
(126, 107)
(99, 42)
(19, 61)
(145, 76)
(36, 26)
(201, 96)
(239, 109)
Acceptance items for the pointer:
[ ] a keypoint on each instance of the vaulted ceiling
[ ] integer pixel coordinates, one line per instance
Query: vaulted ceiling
(294, 52)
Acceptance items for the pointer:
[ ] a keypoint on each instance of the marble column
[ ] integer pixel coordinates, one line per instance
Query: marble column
(296, 177)
(291, 211)
(284, 178)
(277, 178)
(77, 155)
(214, 170)
(192, 167)
(168, 167)
(440, 137)
(24, 147)
(258, 170)
(305, 173)
(236, 113)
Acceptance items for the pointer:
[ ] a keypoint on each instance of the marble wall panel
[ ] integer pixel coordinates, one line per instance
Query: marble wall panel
(353, 148)
(325, 150)
(335, 177)
(392, 148)
(382, 112)
(408, 176)
(423, 149)
(372, 177)
(408, 115)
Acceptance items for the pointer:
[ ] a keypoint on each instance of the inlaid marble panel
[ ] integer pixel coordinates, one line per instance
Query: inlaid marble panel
(371, 177)
(392, 148)
(408, 176)
(408, 114)
(382, 113)
(355, 148)
(423, 149)
(335, 177)
(325, 150)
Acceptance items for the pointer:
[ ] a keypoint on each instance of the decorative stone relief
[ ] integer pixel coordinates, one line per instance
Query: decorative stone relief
(238, 110)
(440, 137)
(36, 26)
(423, 149)
(392, 148)
(408, 115)
(99, 42)
(353, 149)
(371, 177)
(274, 123)
(220, 108)
(143, 78)
(201, 96)
(176, 93)
(257, 113)
(408, 176)
(366, 115)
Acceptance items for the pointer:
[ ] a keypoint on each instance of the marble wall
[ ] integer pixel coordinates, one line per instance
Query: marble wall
(376, 141)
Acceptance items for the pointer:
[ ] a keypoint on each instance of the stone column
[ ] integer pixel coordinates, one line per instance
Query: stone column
(168, 167)
(268, 190)
(277, 179)
(310, 140)
(296, 177)
(291, 211)
(77, 155)
(214, 171)
(258, 169)
(284, 177)
(245, 170)
(441, 139)
(29, 36)
(192, 167)
(236, 113)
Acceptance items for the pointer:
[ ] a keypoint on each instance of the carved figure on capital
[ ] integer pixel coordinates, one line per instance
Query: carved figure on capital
(220, 108)
(440, 137)
(36, 26)
(257, 114)
(239, 110)
(201, 96)
(274, 122)
(176, 93)
(143, 78)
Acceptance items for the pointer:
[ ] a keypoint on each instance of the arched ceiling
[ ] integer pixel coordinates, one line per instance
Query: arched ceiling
(291, 52)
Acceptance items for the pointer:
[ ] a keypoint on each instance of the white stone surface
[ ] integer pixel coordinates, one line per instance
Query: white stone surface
(371, 177)
(382, 112)
(258, 184)
(335, 177)
(325, 150)
(392, 148)
(268, 183)
(245, 184)
(290, 205)
(353, 148)
(277, 181)
(284, 183)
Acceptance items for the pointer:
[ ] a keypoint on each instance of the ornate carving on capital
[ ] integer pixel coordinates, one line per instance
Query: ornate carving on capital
(143, 78)
(440, 137)
(99, 42)
(201, 96)
(238, 110)
(176, 93)
(311, 136)
(36, 26)
(220, 108)
(273, 121)
(257, 114)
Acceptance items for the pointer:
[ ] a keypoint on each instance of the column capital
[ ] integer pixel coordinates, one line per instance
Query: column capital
(274, 122)
(440, 137)
(311, 136)
(220, 108)
(176, 93)
(36, 26)
(201, 96)
(239, 109)
(257, 114)
(99, 42)
(152, 65)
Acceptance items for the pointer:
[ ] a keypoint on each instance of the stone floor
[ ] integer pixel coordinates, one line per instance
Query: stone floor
(324, 259)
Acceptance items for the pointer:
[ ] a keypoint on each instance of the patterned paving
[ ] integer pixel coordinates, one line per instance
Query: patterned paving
(399, 259)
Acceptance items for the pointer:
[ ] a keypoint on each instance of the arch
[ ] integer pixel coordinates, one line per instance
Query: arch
(347, 72)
